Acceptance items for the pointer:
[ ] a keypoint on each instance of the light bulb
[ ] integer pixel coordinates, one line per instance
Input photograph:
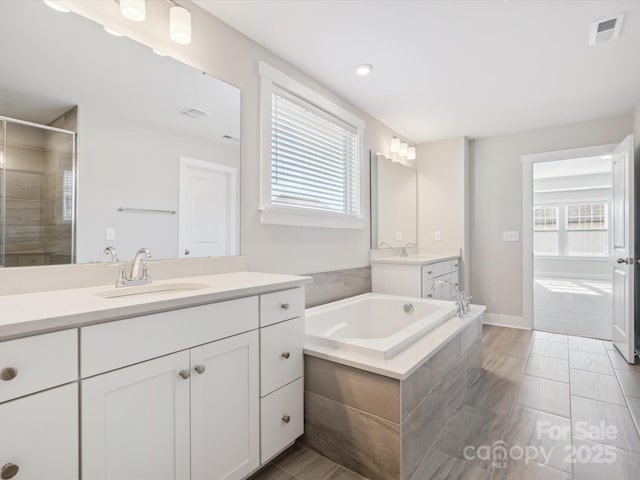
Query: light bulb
(180, 25)
(395, 145)
(133, 10)
(411, 153)
(403, 149)
(56, 7)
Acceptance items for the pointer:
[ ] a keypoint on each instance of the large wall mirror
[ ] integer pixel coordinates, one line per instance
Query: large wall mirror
(104, 142)
(394, 203)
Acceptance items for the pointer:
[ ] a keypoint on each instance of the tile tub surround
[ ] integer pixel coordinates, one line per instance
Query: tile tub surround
(337, 285)
(382, 427)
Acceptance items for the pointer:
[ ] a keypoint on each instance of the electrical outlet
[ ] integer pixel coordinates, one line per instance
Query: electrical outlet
(511, 236)
(437, 236)
(398, 235)
(110, 234)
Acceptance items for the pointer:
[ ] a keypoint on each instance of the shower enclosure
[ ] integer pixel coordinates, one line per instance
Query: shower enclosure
(37, 182)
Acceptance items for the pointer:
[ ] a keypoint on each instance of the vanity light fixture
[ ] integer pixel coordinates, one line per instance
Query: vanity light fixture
(411, 153)
(133, 10)
(403, 149)
(364, 69)
(55, 6)
(395, 145)
(111, 31)
(180, 25)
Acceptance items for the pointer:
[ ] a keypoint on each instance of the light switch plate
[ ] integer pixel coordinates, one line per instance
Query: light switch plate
(110, 234)
(511, 236)
(437, 236)
(398, 235)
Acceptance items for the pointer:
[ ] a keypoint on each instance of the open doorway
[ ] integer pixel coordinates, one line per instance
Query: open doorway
(572, 246)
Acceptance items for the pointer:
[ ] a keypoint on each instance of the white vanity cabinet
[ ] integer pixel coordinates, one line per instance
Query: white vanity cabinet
(446, 271)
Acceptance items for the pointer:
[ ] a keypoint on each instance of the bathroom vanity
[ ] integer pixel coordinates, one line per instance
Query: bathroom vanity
(200, 381)
(415, 275)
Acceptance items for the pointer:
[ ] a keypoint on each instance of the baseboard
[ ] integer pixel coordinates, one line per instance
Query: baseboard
(505, 321)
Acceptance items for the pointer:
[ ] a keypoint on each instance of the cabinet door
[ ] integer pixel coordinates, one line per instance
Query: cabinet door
(40, 435)
(225, 408)
(135, 422)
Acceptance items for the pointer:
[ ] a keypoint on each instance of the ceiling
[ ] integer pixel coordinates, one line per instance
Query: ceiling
(572, 168)
(451, 68)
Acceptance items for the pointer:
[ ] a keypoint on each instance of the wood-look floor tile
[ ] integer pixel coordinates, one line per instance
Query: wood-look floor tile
(630, 382)
(546, 395)
(470, 426)
(551, 337)
(548, 367)
(509, 341)
(619, 362)
(440, 466)
(587, 345)
(591, 362)
(525, 429)
(593, 412)
(492, 393)
(625, 465)
(342, 473)
(305, 464)
(596, 386)
(272, 473)
(522, 470)
(550, 349)
(504, 366)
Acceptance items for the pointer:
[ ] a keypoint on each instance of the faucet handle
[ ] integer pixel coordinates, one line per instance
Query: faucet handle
(122, 276)
(145, 271)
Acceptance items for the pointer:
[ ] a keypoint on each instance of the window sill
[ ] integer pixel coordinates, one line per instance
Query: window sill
(307, 218)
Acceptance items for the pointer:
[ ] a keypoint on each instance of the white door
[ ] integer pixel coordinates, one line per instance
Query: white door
(208, 209)
(39, 438)
(225, 408)
(135, 422)
(623, 248)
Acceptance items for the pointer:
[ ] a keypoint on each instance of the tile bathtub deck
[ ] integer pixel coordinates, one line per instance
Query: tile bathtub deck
(528, 377)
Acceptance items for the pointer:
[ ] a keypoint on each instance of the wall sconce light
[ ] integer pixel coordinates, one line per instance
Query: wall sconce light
(403, 149)
(133, 10)
(180, 25)
(395, 145)
(411, 153)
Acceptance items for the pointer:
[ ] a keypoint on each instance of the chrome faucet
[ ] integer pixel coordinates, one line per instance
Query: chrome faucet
(463, 302)
(139, 271)
(403, 252)
(114, 255)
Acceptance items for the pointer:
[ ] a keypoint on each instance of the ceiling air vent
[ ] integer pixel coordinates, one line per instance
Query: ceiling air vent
(605, 30)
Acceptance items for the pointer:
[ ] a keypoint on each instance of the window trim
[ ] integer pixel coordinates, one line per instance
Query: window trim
(281, 215)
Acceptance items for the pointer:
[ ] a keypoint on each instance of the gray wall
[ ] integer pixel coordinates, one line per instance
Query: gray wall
(496, 202)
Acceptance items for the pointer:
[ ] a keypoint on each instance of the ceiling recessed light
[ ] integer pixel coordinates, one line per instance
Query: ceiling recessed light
(364, 69)
(111, 31)
(55, 6)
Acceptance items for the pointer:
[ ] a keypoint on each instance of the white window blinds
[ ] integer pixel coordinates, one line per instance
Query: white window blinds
(314, 158)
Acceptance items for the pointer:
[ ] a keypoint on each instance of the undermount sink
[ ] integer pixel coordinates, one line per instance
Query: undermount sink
(118, 292)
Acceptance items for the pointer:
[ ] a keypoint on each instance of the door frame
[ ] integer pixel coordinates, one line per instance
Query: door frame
(234, 200)
(527, 214)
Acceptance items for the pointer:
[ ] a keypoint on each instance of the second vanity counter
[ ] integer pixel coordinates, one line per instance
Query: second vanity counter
(40, 312)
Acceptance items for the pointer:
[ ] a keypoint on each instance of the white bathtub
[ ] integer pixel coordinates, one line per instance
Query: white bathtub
(375, 324)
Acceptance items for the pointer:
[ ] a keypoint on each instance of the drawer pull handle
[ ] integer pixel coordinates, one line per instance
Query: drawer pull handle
(185, 374)
(455, 264)
(8, 373)
(9, 471)
(285, 306)
(200, 369)
(286, 418)
(286, 355)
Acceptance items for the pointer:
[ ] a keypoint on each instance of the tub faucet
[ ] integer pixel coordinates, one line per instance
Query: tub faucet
(463, 303)
(403, 252)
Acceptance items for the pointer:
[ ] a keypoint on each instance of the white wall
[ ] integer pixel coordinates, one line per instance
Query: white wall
(227, 54)
(443, 196)
(496, 202)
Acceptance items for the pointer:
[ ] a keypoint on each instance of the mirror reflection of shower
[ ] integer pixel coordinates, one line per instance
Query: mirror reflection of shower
(37, 172)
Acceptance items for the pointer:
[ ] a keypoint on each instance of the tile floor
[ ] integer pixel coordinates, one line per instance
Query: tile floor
(528, 378)
(573, 306)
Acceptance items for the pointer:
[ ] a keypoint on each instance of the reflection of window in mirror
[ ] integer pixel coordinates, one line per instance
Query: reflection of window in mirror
(67, 196)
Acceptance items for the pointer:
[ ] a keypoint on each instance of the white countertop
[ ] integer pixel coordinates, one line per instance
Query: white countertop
(407, 361)
(32, 313)
(413, 259)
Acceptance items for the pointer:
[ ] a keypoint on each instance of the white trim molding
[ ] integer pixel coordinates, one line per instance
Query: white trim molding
(499, 320)
(527, 214)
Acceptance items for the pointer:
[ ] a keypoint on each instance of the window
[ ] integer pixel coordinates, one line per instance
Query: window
(573, 229)
(545, 228)
(311, 156)
(587, 229)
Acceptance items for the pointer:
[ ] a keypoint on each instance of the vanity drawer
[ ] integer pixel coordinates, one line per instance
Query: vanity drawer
(113, 345)
(279, 306)
(281, 359)
(281, 418)
(427, 272)
(442, 268)
(31, 364)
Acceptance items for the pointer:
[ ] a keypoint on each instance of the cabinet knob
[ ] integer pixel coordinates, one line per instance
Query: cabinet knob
(200, 368)
(8, 373)
(286, 355)
(285, 306)
(286, 418)
(9, 471)
(429, 272)
(185, 374)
